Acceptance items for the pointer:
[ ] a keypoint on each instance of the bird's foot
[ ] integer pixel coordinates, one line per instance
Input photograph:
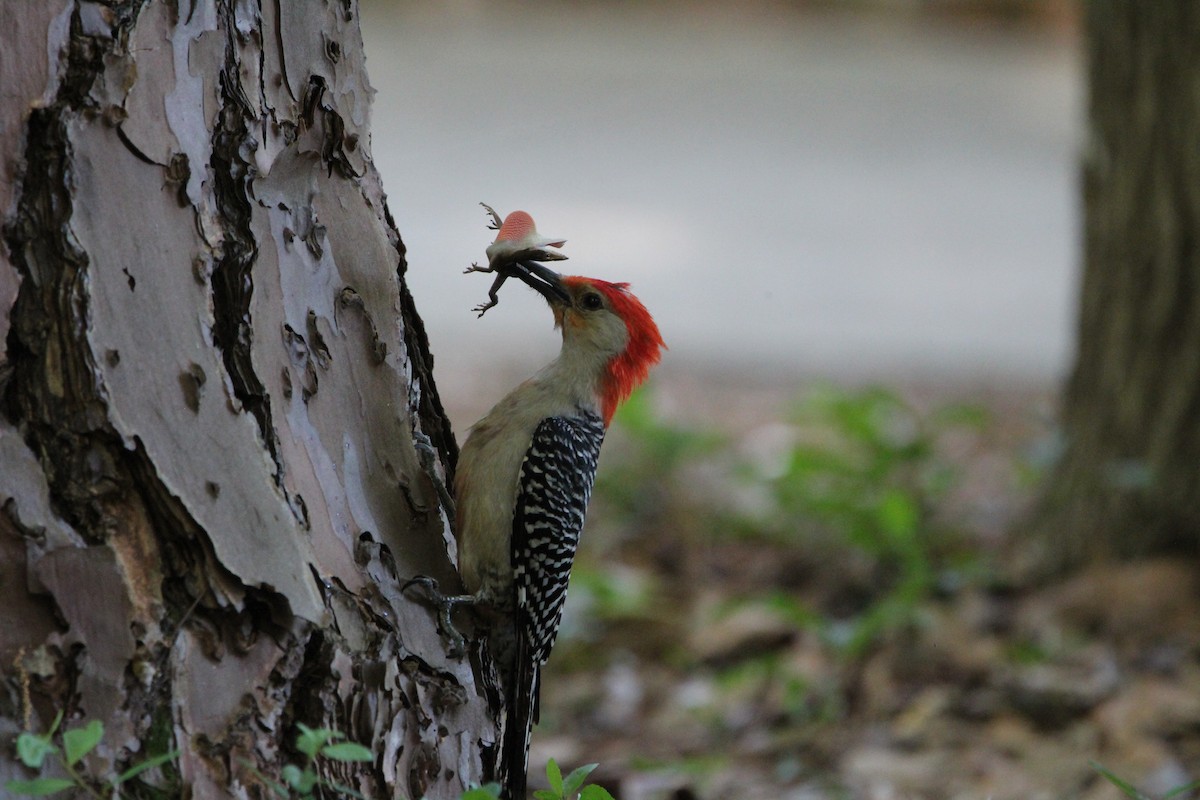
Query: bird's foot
(428, 455)
(445, 606)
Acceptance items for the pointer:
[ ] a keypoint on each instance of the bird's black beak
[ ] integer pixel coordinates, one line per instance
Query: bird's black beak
(542, 279)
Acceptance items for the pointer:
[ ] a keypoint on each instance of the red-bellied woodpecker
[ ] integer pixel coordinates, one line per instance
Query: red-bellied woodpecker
(525, 475)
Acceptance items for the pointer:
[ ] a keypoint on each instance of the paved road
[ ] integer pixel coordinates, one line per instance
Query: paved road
(805, 194)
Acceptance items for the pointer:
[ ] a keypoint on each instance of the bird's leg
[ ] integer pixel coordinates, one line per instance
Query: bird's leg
(445, 606)
(496, 223)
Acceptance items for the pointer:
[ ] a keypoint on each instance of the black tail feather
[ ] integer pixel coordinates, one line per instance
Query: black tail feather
(522, 712)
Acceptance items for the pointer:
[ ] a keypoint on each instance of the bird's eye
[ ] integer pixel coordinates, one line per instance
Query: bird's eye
(591, 301)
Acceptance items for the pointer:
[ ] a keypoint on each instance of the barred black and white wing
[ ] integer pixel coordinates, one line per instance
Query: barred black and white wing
(555, 486)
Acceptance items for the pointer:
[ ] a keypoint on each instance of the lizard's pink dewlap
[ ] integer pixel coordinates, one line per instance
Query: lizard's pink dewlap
(517, 225)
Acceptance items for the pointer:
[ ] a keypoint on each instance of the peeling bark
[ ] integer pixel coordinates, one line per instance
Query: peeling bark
(1128, 484)
(213, 376)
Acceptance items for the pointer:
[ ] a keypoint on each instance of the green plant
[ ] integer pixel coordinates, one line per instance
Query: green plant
(571, 787)
(864, 474)
(301, 781)
(489, 791)
(34, 748)
(1129, 790)
(568, 788)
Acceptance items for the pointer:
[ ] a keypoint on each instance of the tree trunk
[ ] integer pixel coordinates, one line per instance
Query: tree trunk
(212, 380)
(1129, 482)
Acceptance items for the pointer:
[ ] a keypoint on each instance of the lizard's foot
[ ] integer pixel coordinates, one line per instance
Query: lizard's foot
(445, 605)
(482, 308)
(476, 268)
(496, 223)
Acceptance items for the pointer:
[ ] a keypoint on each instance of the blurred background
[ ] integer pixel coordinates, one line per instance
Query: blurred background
(858, 226)
(836, 188)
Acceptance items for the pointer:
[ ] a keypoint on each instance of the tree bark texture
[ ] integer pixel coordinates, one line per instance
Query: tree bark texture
(212, 378)
(1129, 481)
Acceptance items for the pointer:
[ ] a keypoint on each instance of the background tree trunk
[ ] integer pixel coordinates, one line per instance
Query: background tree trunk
(212, 379)
(1129, 482)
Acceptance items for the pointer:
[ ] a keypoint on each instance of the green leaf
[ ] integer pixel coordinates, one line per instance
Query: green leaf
(1181, 790)
(32, 749)
(311, 740)
(898, 515)
(291, 775)
(78, 742)
(308, 779)
(573, 781)
(1125, 786)
(554, 775)
(594, 792)
(149, 763)
(545, 794)
(347, 751)
(489, 791)
(40, 787)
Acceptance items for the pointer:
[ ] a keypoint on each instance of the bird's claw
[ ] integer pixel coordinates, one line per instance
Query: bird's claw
(428, 455)
(445, 605)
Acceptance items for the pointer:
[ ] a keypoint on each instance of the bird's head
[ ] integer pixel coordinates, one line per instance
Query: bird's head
(607, 321)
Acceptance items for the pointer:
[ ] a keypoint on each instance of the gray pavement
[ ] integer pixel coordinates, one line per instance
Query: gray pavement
(803, 194)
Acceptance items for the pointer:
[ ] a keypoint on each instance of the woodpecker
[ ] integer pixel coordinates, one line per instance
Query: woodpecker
(525, 476)
(516, 252)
